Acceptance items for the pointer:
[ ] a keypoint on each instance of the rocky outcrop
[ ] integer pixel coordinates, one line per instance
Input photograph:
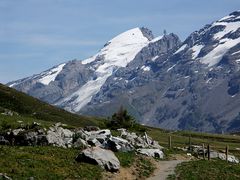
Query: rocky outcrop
(101, 143)
(35, 135)
(144, 141)
(97, 145)
(102, 157)
(28, 136)
(59, 136)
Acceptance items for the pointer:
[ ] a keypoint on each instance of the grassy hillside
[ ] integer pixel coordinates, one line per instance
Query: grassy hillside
(28, 106)
(23, 162)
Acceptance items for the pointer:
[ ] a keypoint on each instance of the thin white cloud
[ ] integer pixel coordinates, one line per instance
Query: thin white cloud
(20, 56)
(45, 40)
(48, 40)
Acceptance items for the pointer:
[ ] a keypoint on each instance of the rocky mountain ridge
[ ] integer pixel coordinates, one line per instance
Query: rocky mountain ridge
(162, 81)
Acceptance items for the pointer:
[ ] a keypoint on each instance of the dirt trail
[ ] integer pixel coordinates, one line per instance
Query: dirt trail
(165, 168)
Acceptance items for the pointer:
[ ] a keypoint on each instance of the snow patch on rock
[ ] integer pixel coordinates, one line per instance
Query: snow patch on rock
(50, 75)
(215, 56)
(196, 50)
(230, 27)
(145, 68)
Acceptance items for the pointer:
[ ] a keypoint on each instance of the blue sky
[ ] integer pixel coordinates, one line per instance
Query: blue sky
(38, 34)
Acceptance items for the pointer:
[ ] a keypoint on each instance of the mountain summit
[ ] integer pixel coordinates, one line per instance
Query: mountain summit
(162, 81)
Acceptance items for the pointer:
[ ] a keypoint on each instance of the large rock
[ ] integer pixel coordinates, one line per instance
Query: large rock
(119, 144)
(104, 158)
(157, 153)
(59, 136)
(231, 158)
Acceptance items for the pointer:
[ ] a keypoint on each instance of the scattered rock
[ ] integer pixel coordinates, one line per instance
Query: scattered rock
(3, 141)
(138, 141)
(105, 158)
(105, 133)
(119, 144)
(80, 133)
(157, 153)
(80, 143)
(35, 138)
(8, 113)
(4, 176)
(93, 142)
(91, 128)
(213, 154)
(60, 137)
(231, 158)
(17, 131)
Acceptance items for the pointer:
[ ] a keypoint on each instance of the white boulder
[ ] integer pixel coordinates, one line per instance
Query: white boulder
(157, 153)
(60, 137)
(119, 144)
(231, 158)
(102, 157)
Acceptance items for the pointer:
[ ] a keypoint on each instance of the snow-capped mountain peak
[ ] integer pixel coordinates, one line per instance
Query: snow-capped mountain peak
(118, 52)
(121, 49)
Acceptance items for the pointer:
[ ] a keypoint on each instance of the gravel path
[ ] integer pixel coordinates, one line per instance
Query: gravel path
(165, 168)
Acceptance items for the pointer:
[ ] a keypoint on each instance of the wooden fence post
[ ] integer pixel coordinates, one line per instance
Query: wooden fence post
(190, 143)
(208, 151)
(203, 151)
(227, 153)
(170, 142)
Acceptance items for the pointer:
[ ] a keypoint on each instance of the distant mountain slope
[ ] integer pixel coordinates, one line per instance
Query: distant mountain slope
(163, 82)
(25, 105)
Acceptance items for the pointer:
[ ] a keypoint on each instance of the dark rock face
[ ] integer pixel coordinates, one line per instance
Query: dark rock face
(147, 33)
(192, 85)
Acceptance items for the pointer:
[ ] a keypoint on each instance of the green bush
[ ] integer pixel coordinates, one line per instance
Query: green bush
(121, 119)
